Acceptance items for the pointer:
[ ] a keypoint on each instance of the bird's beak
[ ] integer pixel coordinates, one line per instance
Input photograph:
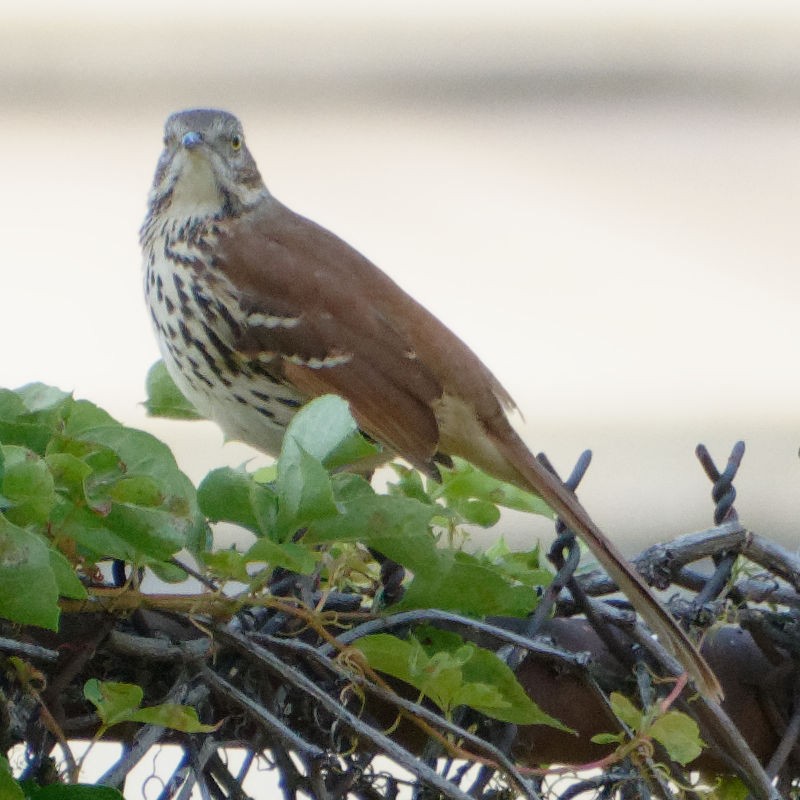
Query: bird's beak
(191, 140)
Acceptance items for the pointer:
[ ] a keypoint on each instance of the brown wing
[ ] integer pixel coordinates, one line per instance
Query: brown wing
(328, 315)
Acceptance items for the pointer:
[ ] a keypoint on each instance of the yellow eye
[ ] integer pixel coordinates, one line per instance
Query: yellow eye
(236, 141)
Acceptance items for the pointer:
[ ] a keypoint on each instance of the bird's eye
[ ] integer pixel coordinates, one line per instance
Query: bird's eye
(236, 141)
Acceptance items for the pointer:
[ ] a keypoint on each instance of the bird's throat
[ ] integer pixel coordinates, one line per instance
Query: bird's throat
(196, 191)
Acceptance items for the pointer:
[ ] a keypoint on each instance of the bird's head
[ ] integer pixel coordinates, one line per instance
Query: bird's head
(205, 168)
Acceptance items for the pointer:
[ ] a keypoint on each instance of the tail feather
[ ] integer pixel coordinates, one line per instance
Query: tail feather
(534, 477)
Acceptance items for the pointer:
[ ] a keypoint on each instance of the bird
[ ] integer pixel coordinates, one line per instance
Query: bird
(258, 309)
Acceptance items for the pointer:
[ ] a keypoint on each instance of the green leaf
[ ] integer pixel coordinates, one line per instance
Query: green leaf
(85, 416)
(408, 484)
(143, 468)
(304, 491)
(452, 673)
(465, 482)
(153, 533)
(397, 526)
(626, 711)
(234, 496)
(12, 406)
(288, 555)
(477, 512)
(67, 582)
(20, 427)
(228, 564)
(729, 787)
(27, 487)
(43, 399)
(167, 572)
(325, 429)
(39, 397)
(164, 398)
(9, 788)
(121, 702)
(522, 566)
(268, 474)
(69, 473)
(485, 667)
(28, 589)
(456, 581)
(115, 702)
(679, 735)
(95, 540)
(172, 715)
(32, 415)
(142, 454)
(608, 738)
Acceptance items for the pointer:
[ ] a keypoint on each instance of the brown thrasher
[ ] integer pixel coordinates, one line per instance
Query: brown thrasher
(258, 309)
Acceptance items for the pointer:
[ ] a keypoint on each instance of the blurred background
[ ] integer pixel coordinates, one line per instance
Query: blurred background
(600, 198)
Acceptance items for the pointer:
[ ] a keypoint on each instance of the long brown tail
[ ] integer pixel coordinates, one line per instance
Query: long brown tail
(535, 477)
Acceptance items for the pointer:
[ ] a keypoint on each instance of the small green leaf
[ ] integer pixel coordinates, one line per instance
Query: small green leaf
(382, 521)
(28, 589)
(484, 667)
(409, 484)
(478, 512)
(121, 702)
(12, 407)
(172, 715)
(69, 473)
(86, 528)
(72, 472)
(152, 532)
(27, 487)
(167, 572)
(522, 566)
(39, 397)
(451, 673)
(66, 580)
(19, 426)
(132, 464)
(234, 496)
(164, 398)
(466, 482)
(288, 555)
(266, 474)
(679, 735)
(304, 491)
(115, 702)
(608, 738)
(85, 416)
(626, 711)
(228, 564)
(325, 429)
(456, 581)
(728, 787)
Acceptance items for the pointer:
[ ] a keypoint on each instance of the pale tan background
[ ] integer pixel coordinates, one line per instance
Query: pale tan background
(600, 197)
